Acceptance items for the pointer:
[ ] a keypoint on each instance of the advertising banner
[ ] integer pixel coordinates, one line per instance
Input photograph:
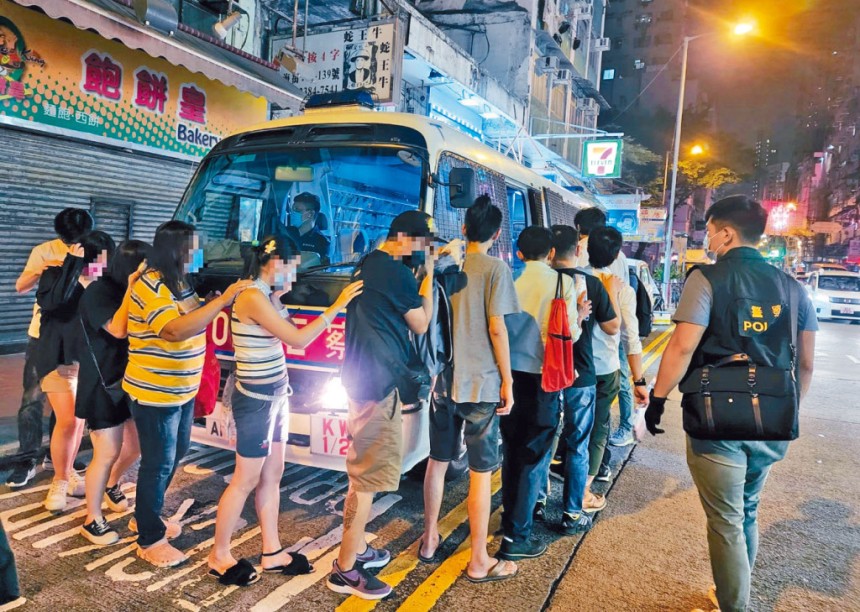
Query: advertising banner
(366, 57)
(854, 250)
(602, 158)
(622, 212)
(53, 74)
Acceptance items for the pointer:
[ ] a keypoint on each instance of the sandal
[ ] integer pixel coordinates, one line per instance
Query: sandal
(298, 566)
(162, 554)
(432, 558)
(242, 574)
(495, 574)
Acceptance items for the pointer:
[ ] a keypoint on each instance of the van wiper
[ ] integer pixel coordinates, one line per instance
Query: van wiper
(320, 267)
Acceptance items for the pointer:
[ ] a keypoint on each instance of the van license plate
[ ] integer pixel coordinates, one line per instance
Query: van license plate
(329, 435)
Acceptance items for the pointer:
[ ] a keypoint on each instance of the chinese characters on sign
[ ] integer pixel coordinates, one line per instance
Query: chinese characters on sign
(102, 76)
(192, 104)
(150, 90)
(357, 58)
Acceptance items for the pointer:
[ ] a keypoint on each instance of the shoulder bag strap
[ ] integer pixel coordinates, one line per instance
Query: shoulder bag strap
(559, 287)
(92, 354)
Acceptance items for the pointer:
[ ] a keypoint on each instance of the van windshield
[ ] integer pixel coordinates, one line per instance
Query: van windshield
(839, 283)
(331, 204)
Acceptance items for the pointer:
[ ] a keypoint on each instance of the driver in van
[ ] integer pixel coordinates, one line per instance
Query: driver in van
(304, 230)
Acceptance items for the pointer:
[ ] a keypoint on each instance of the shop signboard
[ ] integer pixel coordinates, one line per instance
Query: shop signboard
(602, 158)
(854, 250)
(53, 75)
(622, 212)
(363, 57)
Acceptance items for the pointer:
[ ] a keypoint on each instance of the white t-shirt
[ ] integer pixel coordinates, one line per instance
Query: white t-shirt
(605, 347)
(53, 250)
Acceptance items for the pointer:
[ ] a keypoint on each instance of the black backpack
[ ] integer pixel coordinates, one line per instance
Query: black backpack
(644, 310)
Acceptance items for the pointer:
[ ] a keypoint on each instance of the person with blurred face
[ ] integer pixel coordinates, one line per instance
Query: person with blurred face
(260, 324)
(69, 225)
(375, 373)
(167, 346)
(59, 295)
(101, 402)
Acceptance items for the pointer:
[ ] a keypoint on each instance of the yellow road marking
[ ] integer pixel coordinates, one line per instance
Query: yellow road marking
(658, 352)
(402, 565)
(425, 597)
(658, 339)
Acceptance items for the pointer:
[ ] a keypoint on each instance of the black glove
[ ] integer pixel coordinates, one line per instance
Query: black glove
(654, 412)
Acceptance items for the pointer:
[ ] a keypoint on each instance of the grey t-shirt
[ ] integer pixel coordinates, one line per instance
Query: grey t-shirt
(698, 297)
(489, 292)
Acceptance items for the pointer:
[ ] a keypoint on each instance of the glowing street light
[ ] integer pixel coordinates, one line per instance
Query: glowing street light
(741, 29)
(697, 150)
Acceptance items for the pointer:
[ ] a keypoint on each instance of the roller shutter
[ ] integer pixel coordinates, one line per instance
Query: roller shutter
(129, 193)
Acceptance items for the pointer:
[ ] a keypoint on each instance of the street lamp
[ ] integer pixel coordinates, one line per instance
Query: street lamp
(697, 150)
(740, 29)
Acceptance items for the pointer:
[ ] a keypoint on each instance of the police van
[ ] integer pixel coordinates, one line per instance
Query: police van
(365, 168)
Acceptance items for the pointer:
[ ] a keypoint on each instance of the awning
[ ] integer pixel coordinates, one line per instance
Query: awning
(115, 21)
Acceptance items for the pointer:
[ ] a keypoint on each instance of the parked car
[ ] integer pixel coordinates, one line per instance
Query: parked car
(643, 273)
(827, 266)
(835, 294)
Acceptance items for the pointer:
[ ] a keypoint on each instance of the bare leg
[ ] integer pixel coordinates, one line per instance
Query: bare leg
(434, 491)
(356, 512)
(129, 454)
(479, 522)
(66, 438)
(245, 478)
(268, 504)
(106, 449)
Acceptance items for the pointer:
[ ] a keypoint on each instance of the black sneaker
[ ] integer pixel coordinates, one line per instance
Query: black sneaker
(21, 475)
(572, 524)
(99, 532)
(514, 551)
(604, 474)
(358, 582)
(540, 513)
(116, 499)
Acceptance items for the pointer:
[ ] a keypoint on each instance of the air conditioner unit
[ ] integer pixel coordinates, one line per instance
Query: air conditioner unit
(582, 10)
(602, 44)
(562, 75)
(547, 63)
(589, 106)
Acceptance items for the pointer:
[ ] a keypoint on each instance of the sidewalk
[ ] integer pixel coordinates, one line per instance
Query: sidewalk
(648, 550)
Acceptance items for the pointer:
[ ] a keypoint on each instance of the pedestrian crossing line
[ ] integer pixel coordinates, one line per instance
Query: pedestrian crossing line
(20, 492)
(401, 566)
(92, 547)
(118, 554)
(74, 531)
(282, 595)
(425, 597)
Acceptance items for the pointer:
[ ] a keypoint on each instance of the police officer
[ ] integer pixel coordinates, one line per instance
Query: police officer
(304, 229)
(737, 302)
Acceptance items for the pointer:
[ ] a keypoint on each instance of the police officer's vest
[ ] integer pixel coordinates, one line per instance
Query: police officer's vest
(749, 311)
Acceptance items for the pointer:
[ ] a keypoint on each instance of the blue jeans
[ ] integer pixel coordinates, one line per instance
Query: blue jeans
(528, 433)
(625, 394)
(730, 476)
(9, 590)
(165, 435)
(578, 404)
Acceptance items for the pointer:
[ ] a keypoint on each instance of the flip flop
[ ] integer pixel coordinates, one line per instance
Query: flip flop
(494, 575)
(298, 566)
(432, 558)
(242, 574)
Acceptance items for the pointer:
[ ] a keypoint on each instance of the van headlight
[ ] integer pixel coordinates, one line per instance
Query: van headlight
(334, 396)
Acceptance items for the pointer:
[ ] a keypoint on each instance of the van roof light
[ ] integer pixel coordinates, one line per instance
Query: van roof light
(350, 97)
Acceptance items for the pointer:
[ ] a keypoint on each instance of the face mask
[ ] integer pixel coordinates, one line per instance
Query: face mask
(416, 260)
(296, 218)
(196, 263)
(706, 245)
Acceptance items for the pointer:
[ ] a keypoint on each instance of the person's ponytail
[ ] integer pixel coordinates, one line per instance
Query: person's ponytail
(259, 255)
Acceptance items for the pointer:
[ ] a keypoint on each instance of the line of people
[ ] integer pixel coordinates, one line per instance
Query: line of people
(118, 343)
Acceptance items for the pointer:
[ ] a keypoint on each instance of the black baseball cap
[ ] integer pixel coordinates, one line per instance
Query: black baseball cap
(412, 223)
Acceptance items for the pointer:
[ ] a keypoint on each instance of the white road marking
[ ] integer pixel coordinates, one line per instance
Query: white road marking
(91, 547)
(24, 491)
(337, 483)
(853, 358)
(10, 525)
(117, 572)
(111, 557)
(74, 531)
(200, 453)
(180, 512)
(196, 470)
(281, 596)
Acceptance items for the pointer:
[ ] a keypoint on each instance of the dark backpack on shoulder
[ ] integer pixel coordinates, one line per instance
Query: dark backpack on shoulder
(644, 310)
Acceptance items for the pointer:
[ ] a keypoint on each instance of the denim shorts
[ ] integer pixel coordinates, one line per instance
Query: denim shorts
(476, 422)
(260, 422)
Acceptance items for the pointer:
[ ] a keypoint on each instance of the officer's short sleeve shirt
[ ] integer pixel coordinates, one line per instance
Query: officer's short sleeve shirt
(697, 299)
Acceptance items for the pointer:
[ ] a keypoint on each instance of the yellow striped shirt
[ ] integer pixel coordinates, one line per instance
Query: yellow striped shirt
(159, 372)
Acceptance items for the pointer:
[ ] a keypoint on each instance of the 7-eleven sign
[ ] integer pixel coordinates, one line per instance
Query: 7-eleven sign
(602, 158)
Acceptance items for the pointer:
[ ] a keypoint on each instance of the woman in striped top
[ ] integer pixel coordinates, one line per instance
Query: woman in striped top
(260, 410)
(167, 344)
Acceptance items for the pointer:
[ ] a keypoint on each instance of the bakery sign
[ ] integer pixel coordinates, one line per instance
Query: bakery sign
(365, 57)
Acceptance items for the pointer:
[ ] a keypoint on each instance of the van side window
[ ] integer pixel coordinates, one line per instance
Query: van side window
(449, 220)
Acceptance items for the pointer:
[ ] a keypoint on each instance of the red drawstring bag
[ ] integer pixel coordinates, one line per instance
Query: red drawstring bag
(207, 394)
(558, 371)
